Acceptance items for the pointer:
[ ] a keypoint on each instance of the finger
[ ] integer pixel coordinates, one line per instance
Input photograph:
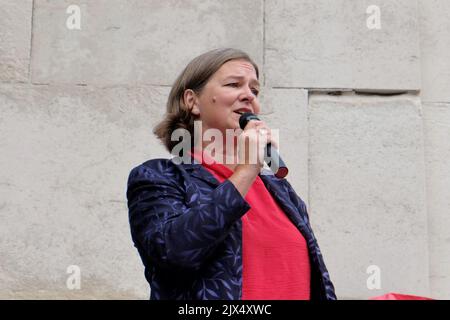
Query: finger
(263, 131)
(252, 124)
(267, 134)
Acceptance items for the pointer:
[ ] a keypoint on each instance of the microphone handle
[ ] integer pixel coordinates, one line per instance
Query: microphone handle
(275, 162)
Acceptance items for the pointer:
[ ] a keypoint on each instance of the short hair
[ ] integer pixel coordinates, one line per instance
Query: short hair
(194, 77)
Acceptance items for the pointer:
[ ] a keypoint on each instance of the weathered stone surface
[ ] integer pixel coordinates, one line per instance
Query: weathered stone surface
(15, 39)
(435, 48)
(327, 44)
(367, 190)
(67, 148)
(138, 42)
(437, 155)
(66, 155)
(285, 110)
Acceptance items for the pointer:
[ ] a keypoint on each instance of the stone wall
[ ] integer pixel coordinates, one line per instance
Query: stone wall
(361, 100)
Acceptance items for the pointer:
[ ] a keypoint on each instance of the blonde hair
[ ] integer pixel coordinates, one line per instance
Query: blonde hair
(194, 77)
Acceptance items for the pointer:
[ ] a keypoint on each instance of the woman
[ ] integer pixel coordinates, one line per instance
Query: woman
(216, 227)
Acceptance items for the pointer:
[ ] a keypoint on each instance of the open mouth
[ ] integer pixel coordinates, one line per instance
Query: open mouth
(241, 112)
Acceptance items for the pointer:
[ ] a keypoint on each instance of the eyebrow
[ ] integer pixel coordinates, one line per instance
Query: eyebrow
(241, 77)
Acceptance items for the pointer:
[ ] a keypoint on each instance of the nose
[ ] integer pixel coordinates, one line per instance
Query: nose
(247, 95)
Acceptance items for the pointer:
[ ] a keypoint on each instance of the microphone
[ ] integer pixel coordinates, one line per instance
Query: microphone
(271, 156)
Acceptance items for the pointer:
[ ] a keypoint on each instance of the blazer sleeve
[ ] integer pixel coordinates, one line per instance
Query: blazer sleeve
(171, 233)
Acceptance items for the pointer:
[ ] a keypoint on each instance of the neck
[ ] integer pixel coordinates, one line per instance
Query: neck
(221, 154)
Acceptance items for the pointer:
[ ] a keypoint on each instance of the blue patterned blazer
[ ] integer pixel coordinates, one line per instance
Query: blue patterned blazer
(187, 229)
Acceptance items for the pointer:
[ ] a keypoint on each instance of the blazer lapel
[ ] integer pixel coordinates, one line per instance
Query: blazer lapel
(198, 171)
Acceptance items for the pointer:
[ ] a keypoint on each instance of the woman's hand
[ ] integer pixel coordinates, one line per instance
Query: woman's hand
(252, 143)
(251, 147)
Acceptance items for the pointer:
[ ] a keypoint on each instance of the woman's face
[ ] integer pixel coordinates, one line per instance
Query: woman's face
(232, 90)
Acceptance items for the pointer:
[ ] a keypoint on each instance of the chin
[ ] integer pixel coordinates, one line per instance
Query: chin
(235, 125)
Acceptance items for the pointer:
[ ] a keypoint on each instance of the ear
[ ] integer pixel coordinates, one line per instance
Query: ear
(191, 101)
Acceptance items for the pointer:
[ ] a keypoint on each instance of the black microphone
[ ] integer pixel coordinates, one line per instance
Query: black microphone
(271, 156)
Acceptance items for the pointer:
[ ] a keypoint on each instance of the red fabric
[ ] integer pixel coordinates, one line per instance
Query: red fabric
(275, 260)
(399, 296)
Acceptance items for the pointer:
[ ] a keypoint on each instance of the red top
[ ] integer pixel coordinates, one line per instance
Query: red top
(275, 260)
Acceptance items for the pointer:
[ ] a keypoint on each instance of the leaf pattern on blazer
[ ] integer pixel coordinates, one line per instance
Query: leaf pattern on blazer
(187, 229)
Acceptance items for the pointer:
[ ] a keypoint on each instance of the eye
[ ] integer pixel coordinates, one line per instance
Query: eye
(236, 85)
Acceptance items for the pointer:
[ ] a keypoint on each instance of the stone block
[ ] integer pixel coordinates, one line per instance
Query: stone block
(367, 192)
(137, 42)
(327, 44)
(15, 40)
(66, 156)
